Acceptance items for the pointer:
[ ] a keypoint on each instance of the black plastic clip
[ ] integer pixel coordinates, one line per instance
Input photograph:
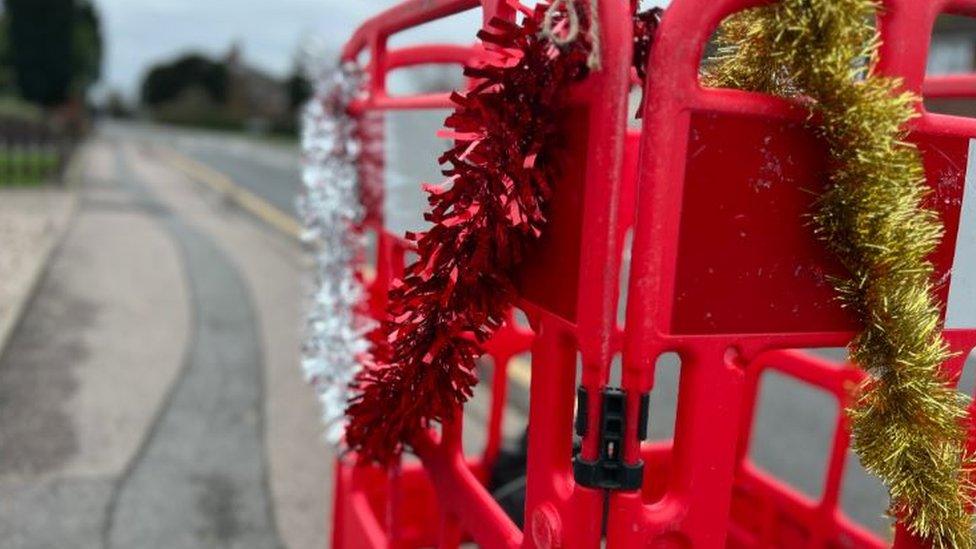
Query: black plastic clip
(609, 472)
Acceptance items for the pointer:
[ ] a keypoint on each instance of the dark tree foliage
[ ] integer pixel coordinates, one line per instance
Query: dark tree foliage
(299, 90)
(54, 48)
(8, 84)
(41, 47)
(87, 46)
(167, 81)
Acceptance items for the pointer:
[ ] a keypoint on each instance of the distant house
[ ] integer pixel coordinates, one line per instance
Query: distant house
(252, 94)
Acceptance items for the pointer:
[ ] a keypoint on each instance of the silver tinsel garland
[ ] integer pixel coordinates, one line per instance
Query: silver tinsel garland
(331, 209)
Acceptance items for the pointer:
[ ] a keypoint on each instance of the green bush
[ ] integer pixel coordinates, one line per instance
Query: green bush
(23, 166)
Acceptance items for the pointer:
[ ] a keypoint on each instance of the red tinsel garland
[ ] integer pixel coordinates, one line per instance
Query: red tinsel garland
(485, 219)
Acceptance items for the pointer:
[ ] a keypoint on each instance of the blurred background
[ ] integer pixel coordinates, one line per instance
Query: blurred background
(151, 276)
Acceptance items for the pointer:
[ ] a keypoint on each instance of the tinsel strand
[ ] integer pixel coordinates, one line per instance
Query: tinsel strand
(907, 420)
(331, 210)
(485, 219)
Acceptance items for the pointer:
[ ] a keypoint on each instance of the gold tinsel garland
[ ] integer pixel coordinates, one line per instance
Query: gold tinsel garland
(907, 419)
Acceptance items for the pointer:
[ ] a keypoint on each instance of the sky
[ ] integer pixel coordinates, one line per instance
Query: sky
(140, 33)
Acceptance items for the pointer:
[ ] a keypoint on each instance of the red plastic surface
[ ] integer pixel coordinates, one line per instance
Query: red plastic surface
(740, 249)
(764, 292)
(950, 86)
(724, 272)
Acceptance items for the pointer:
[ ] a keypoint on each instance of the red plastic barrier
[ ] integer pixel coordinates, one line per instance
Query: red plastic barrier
(569, 298)
(725, 273)
(953, 94)
(950, 86)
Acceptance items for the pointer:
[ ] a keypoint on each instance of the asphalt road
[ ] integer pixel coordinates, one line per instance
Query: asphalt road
(201, 476)
(794, 423)
(271, 170)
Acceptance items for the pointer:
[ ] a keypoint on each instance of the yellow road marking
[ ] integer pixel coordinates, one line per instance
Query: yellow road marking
(244, 198)
(519, 368)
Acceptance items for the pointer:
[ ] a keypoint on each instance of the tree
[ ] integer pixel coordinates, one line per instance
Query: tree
(299, 90)
(86, 47)
(41, 48)
(306, 69)
(165, 82)
(7, 82)
(55, 48)
(116, 106)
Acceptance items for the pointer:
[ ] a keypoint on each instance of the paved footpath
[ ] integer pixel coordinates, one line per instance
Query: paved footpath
(151, 396)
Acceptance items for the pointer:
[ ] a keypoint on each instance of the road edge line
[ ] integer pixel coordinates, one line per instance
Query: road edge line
(245, 199)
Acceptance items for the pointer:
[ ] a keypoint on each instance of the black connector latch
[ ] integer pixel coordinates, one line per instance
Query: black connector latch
(609, 471)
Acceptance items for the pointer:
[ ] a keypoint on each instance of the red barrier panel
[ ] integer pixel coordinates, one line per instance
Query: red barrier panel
(950, 86)
(725, 273)
(568, 293)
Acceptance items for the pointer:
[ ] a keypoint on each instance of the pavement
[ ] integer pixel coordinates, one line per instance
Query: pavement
(151, 394)
(150, 397)
(32, 222)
